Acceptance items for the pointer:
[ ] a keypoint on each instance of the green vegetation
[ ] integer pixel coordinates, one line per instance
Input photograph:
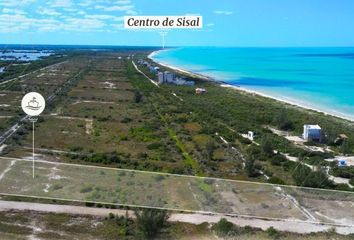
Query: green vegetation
(106, 113)
(273, 233)
(111, 227)
(15, 70)
(224, 228)
(305, 177)
(151, 221)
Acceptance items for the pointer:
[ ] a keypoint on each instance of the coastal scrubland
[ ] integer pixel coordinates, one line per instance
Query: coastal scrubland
(107, 113)
(28, 224)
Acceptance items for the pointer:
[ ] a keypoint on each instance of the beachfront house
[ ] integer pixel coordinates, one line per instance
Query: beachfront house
(312, 132)
(182, 81)
(168, 77)
(250, 135)
(200, 90)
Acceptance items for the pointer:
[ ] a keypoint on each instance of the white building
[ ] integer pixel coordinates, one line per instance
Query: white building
(200, 90)
(169, 77)
(312, 133)
(160, 77)
(152, 69)
(250, 135)
(181, 81)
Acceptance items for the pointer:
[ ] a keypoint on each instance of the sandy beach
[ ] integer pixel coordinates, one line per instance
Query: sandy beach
(196, 75)
(250, 91)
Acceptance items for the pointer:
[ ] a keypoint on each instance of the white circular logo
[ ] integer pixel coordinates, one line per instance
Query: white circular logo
(33, 104)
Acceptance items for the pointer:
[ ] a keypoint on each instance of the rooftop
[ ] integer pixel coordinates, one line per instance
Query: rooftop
(309, 126)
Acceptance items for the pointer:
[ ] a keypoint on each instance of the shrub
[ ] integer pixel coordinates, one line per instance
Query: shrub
(305, 177)
(126, 120)
(283, 122)
(277, 160)
(155, 145)
(267, 147)
(276, 180)
(250, 167)
(86, 189)
(151, 221)
(137, 96)
(224, 228)
(273, 233)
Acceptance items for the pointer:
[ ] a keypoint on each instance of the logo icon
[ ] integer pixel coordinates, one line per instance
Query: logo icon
(33, 104)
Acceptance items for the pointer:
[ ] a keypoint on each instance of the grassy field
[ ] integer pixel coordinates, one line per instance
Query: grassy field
(122, 187)
(100, 114)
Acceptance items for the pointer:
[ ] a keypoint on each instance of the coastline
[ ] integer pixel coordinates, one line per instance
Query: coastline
(249, 91)
(196, 75)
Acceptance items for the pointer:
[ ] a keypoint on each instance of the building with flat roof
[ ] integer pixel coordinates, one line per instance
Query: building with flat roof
(160, 77)
(312, 132)
(250, 135)
(169, 77)
(200, 90)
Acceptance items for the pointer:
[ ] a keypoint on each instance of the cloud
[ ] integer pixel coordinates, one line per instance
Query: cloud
(13, 11)
(61, 4)
(16, 22)
(104, 17)
(13, 22)
(118, 26)
(122, 2)
(15, 3)
(84, 24)
(131, 12)
(86, 3)
(64, 15)
(223, 12)
(115, 8)
(48, 11)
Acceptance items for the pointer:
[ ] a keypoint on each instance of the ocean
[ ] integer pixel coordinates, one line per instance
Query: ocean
(317, 78)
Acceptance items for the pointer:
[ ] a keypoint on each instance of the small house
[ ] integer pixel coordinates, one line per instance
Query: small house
(250, 135)
(312, 133)
(200, 90)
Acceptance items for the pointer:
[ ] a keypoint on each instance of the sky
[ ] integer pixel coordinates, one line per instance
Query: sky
(242, 23)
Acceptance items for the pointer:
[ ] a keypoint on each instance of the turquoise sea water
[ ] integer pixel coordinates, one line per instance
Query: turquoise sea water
(321, 78)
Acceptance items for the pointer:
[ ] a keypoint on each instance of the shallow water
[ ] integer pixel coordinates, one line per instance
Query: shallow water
(320, 78)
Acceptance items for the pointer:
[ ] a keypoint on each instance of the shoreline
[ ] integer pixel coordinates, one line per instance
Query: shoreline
(196, 75)
(249, 91)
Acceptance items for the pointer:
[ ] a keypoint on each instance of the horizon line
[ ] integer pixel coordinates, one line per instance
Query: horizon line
(171, 46)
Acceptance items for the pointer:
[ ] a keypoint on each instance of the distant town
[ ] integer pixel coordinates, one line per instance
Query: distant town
(165, 76)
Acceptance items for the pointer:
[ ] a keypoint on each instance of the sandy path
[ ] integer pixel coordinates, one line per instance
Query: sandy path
(193, 218)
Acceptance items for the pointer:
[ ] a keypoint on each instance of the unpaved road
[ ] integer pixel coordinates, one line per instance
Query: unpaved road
(193, 218)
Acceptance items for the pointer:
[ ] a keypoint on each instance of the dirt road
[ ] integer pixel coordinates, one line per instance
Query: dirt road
(193, 218)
